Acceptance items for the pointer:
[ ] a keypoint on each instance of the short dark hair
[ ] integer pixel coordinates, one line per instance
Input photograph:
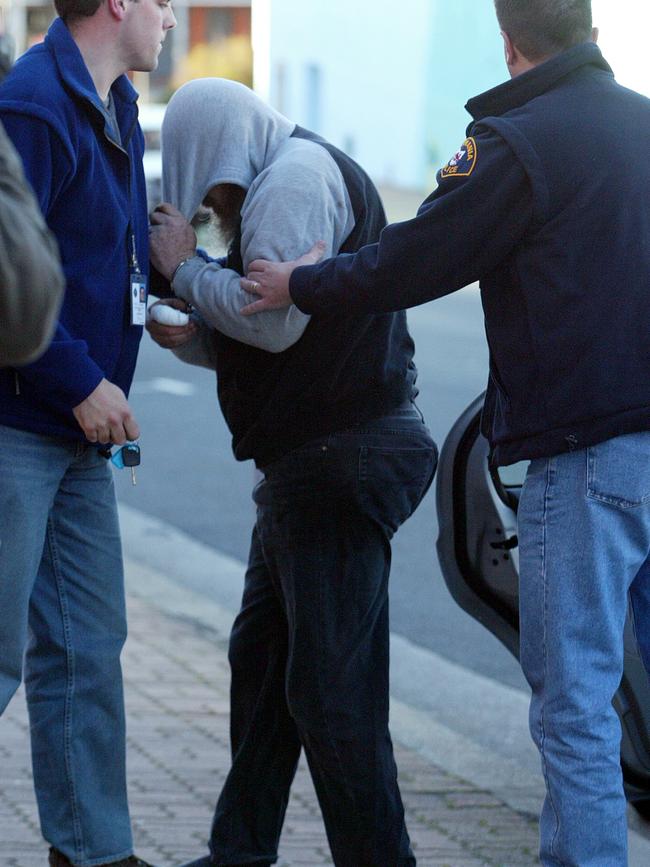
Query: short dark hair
(543, 28)
(69, 10)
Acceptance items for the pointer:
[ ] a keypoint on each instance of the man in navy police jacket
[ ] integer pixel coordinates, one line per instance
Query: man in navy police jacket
(71, 113)
(546, 203)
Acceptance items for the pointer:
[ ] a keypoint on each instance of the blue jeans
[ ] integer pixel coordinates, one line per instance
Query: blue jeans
(309, 649)
(584, 531)
(62, 605)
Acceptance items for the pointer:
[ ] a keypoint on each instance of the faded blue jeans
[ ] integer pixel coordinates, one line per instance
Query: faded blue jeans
(309, 648)
(62, 604)
(584, 534)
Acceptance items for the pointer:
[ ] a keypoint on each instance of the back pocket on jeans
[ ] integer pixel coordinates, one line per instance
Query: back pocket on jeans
(393, 481)
(618, 471)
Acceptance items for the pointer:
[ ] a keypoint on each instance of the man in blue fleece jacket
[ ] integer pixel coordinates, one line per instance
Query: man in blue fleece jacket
(71, 113)
(546, 203)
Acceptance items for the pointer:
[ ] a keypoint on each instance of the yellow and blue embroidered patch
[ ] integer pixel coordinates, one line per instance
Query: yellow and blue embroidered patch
(461, 164)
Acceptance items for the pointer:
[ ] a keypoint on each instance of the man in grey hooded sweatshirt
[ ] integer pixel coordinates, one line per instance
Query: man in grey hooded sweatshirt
(325, 410)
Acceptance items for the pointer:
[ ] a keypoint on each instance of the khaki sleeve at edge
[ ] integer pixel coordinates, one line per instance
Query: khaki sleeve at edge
(31, 279)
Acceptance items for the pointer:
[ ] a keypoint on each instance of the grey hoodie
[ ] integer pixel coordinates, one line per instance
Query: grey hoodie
(218, 131)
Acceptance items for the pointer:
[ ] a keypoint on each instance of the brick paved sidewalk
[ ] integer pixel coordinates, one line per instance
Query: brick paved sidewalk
(177, 678)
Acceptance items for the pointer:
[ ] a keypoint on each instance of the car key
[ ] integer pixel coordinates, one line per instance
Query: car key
(127, 456)
(131, 458)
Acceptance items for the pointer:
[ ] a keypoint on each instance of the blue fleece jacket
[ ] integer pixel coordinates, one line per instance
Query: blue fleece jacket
(91, 189)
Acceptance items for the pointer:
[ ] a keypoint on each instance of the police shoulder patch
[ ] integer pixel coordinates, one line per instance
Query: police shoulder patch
(462, 163)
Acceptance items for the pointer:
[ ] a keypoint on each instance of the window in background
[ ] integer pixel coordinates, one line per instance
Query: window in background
(313, 88)
(219, 45)
(281, 96)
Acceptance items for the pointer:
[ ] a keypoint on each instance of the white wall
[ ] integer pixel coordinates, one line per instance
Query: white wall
(395, 75)
(466, 58)
(371, 60)
(624, 28)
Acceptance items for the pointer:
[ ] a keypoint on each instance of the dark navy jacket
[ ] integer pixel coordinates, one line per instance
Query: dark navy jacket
(90, 189)
(547, 203)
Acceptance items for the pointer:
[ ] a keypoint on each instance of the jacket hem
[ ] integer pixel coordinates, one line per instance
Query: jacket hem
(45, 427)
(335, 422)
(569, 438)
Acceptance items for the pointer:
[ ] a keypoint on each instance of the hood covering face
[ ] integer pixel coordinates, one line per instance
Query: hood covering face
(216, 131)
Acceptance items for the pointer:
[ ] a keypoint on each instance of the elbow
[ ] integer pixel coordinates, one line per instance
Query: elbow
(282, 338)
(280, 341)
(276, 346)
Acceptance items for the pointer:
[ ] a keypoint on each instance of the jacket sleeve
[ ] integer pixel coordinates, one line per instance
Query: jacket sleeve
(466, 227)
(288, 208)
(200, 350)
(31, 280)
(65, 370)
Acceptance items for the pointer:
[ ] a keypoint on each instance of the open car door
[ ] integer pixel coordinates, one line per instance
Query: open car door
(478, 553)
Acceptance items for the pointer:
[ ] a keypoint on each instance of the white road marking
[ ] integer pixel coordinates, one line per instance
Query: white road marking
(164, 385)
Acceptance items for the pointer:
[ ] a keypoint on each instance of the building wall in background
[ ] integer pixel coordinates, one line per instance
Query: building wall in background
(386, 82)
(465, 59)
(213, 37)
(354, 72)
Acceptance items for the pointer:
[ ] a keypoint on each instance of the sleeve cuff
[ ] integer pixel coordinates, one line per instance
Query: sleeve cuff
(301, 291)
(185, 276)
(85, 384)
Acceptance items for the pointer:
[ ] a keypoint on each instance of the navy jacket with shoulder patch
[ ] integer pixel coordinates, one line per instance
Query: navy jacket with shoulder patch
(554, 220)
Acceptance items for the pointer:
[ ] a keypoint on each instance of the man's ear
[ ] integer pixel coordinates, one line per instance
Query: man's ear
(116, 8)
(509, 50)
(595, 33)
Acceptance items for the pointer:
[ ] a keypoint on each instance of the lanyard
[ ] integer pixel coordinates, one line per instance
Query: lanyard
(138, 288)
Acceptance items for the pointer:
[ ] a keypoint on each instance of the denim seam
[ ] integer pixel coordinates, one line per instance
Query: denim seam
(380, 430)
(617, 502)
(633, 617)
(363, 463)
(321, 669)
(428, 478)
(550, 468)
(67, 708)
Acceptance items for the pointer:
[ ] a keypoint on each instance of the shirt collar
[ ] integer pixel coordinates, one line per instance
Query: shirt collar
(74, 71)
(521, 89)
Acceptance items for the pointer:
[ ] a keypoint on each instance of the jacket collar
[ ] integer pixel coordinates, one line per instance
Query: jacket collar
(520, 90)
(74, 71)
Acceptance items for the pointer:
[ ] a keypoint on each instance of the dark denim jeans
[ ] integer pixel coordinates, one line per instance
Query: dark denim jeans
(309, 649)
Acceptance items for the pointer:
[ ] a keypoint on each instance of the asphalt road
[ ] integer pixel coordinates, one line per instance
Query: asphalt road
(190, 480)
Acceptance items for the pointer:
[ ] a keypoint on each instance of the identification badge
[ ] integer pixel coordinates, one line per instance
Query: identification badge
(138, 298)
